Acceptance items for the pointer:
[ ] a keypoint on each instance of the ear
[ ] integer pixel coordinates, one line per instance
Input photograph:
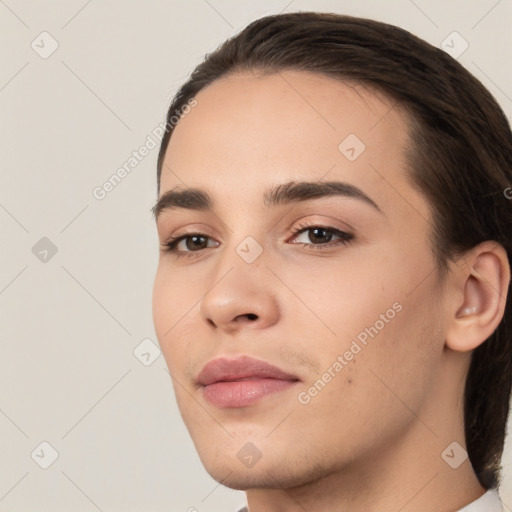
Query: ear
(482, 279)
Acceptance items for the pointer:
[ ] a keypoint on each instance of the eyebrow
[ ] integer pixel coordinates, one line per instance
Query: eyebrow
(285, 193)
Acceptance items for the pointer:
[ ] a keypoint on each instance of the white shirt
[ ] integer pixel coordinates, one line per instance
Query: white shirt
(488, 502)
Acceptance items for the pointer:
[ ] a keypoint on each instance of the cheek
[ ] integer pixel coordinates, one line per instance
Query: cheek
(379, 309)
(174, 294)
(172, 302)
(371, 376)
(162, 304)
(341, 296)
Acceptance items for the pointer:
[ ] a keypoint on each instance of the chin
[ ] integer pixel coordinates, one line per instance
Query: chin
(242, 482)
(280, 474)
(244, 479)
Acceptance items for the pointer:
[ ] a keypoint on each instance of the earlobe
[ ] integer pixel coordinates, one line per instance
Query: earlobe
(485, 279)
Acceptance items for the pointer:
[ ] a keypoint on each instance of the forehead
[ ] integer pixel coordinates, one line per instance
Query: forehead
(251, 130)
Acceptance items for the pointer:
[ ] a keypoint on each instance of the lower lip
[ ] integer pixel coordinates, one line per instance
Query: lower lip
(242, 393)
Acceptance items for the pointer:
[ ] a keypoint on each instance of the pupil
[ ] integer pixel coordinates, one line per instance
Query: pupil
(196, 242)
(319, 235)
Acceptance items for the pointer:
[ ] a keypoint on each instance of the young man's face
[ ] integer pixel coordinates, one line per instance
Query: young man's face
(358, 314)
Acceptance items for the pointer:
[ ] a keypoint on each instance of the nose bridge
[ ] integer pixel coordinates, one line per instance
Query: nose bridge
(244, 250)
(241, 290)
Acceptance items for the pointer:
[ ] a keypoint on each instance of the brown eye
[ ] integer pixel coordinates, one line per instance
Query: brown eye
(319, 237)
(192, 243)
(195, 242)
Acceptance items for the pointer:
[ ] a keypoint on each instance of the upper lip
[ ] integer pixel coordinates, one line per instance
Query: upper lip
(242, 367)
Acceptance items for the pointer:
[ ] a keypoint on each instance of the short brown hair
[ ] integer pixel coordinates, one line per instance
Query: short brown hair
(460, 159)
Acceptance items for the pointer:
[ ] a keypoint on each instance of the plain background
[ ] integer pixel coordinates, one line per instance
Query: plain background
(71, 322)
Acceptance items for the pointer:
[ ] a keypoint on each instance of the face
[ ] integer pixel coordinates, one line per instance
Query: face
(312, 255)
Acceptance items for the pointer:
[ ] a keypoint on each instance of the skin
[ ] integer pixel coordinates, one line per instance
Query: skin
(372, 438)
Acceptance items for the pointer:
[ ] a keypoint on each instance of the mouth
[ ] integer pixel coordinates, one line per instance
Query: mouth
(243, 381)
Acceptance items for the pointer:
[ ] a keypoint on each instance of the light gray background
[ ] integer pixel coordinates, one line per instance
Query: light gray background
(69, 325)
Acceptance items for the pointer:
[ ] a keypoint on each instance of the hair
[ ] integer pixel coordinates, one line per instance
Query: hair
(459, 157)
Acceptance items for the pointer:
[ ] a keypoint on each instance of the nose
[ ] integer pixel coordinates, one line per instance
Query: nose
(242, 298)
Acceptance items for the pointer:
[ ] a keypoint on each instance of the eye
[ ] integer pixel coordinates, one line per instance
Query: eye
(190, 243)
(308, 235)
(320, 237)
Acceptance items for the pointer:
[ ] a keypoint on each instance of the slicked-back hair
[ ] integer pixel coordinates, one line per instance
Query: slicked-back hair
(459, 157)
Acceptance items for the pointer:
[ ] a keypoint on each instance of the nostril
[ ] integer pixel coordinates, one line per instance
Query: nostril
(252, 316)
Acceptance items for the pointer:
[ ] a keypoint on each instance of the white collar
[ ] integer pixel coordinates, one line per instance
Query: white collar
(488, 502)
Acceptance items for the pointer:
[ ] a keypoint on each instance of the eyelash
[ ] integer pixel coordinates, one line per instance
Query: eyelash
(345, 239)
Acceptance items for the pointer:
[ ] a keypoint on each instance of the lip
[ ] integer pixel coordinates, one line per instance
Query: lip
(242, 381)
